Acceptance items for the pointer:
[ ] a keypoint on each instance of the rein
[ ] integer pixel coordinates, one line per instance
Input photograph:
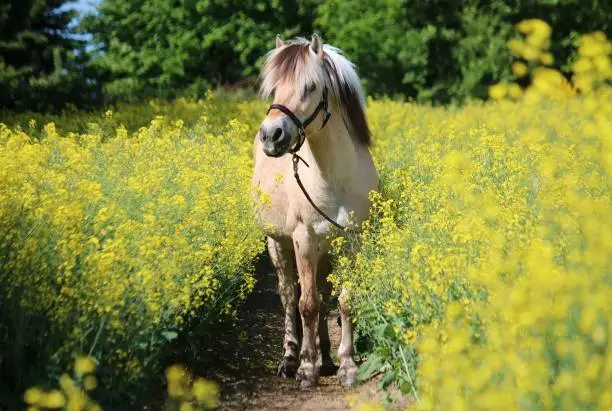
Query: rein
(301, 125)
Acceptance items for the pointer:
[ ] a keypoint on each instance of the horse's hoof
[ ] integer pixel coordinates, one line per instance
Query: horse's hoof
(347, 375)
(287, 368)
(307, 380)
(306, 385)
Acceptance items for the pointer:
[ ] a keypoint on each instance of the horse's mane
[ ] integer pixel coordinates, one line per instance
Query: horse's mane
(295, 62)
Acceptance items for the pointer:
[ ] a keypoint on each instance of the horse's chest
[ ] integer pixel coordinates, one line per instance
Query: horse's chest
(282, 205)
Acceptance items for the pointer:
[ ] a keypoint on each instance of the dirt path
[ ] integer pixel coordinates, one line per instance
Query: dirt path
(244, 360)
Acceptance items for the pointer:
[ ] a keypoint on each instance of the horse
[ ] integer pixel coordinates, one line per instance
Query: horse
(317, 120)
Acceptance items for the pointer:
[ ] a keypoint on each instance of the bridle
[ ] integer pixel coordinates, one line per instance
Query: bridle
(301, 125)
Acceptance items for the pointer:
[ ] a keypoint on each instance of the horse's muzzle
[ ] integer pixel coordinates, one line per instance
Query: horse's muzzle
(275, 141)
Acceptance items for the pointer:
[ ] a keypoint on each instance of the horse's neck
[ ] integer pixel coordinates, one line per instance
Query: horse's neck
(332, 152)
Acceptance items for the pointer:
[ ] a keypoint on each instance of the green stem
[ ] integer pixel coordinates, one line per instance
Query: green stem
(97, 337)
(408, 373)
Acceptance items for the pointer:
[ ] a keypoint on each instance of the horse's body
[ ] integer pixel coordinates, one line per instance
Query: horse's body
(338, 178)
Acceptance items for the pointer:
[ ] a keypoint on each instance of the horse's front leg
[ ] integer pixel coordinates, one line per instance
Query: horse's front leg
(307, 256)
(347, 372)
(281, 254)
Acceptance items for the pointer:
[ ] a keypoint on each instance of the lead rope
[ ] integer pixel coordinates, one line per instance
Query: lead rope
(296, 160)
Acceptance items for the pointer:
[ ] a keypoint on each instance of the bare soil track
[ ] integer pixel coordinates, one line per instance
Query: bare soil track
(244, 358)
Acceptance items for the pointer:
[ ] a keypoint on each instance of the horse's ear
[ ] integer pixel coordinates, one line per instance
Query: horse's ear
(279, 42)
(316, 45)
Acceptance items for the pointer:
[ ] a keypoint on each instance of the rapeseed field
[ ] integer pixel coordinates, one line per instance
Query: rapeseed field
(482, 279)
(484, 275)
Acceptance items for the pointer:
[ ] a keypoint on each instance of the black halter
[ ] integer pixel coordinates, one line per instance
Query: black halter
(301, 125)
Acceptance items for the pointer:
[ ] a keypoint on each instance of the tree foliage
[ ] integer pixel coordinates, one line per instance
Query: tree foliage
(39, 61)
(165, 47)
(446, 50)
(431, 50)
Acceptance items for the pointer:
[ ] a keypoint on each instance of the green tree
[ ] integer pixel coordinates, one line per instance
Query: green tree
(445, 50)
(170, 47)
(430, 50)
(38, 63)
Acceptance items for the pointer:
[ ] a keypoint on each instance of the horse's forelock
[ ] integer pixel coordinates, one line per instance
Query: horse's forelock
(287, 64)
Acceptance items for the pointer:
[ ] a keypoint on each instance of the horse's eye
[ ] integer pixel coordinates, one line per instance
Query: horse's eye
(307, 90)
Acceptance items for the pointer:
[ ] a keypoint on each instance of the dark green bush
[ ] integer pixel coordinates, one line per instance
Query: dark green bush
(430, 50)
(41, 62)
(166, 48)
(445, 50)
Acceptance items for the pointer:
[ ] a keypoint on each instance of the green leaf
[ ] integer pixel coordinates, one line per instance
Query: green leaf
(387, 379)
(371, 366)
(169, 335)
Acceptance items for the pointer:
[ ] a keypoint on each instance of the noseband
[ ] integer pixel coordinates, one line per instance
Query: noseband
(301, 125)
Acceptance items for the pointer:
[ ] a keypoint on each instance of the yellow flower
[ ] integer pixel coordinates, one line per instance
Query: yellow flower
(582, 65)
(370, 407)
(67, 384)
(77, 401)
(206, 392)
(519, 69)
(547, 59)
(591, 47)
(515, 91)
(603, 64)
(33, 395)
(537, 26)
(497, 91)
(530, 53)
(175, 373)
(90, 383)
(84, 365)
(53, 399)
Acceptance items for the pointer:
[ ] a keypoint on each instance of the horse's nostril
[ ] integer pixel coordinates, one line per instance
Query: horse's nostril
(277, 135)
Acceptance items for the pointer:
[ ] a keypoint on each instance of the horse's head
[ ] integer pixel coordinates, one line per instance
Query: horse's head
(294, 75)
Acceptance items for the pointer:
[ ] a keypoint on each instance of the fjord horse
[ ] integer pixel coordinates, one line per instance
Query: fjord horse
(317, 123)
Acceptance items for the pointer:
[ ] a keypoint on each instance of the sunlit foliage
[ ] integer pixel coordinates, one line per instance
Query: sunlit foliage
(484, 276)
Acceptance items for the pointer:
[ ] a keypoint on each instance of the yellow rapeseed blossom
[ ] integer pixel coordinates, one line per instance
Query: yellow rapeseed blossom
(482, 276)
(206, 392)
(190, 393)
(90, 383)
(176, 373)
(84, 365)
(497, 91)
(519, 69)
(53, 399)
(33, 396)
(119, 238)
